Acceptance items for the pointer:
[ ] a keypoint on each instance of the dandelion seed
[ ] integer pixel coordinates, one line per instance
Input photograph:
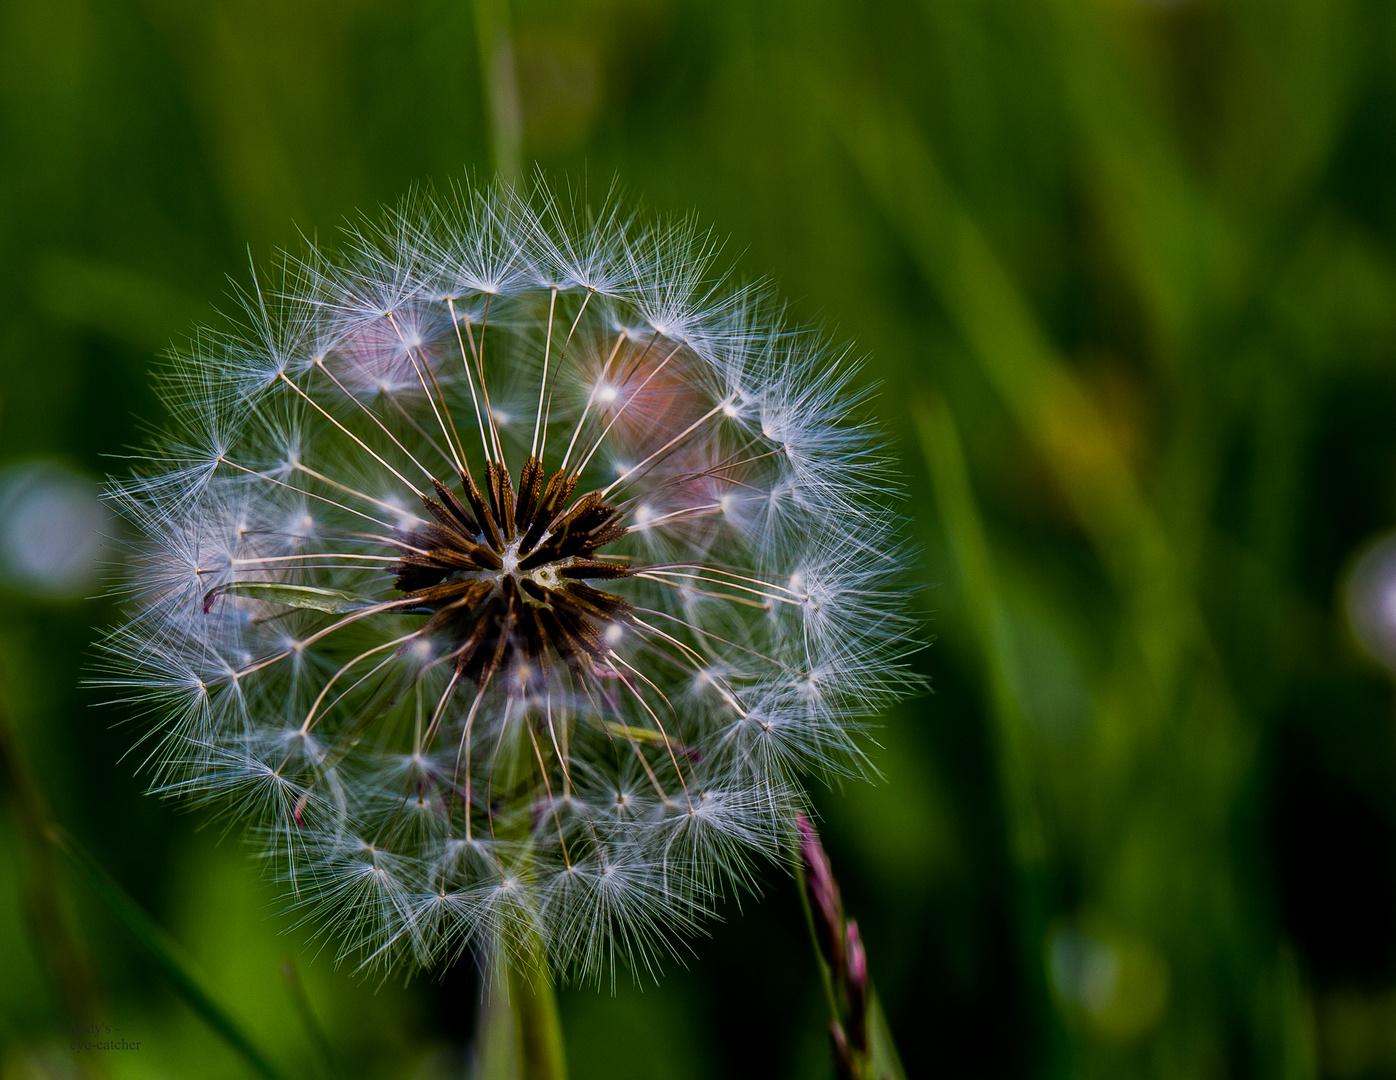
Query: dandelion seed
(506, 576)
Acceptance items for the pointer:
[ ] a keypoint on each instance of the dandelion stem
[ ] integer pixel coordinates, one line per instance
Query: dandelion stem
(540, 1030)
(534, 1004)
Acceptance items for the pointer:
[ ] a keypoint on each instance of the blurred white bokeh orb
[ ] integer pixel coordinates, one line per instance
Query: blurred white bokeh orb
(51, 528)
(1370, 599)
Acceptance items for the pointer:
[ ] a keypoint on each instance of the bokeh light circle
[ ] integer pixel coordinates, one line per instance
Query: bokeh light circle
(1369, 597)
(51, 526)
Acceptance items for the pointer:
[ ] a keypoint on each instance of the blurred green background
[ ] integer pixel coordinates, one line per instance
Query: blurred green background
(1127, 273)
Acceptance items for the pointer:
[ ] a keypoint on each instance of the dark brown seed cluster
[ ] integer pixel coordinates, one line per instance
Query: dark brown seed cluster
(504, 573)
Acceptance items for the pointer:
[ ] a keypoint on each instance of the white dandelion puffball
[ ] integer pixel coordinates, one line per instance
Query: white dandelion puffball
(505, 574)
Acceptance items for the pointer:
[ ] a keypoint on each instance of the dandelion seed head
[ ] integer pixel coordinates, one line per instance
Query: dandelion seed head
(505, 574)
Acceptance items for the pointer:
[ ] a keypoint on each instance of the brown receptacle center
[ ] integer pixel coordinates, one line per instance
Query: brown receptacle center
(504, 574)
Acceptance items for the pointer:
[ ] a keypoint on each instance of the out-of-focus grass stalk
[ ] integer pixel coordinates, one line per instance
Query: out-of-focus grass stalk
(314, 1030)
(1170, 235)
(500, 85)
(985, 614)
(42, 896)
(166, 953)
(984, 611)
(1198, 251)
(1163, 709)
(1039, 390)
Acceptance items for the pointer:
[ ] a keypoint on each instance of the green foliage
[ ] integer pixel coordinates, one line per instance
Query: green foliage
(165, 953)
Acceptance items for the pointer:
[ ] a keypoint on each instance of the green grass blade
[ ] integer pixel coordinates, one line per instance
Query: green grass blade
(305, 1012)
(882, 1050)
(985, 613)
(165, 952)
